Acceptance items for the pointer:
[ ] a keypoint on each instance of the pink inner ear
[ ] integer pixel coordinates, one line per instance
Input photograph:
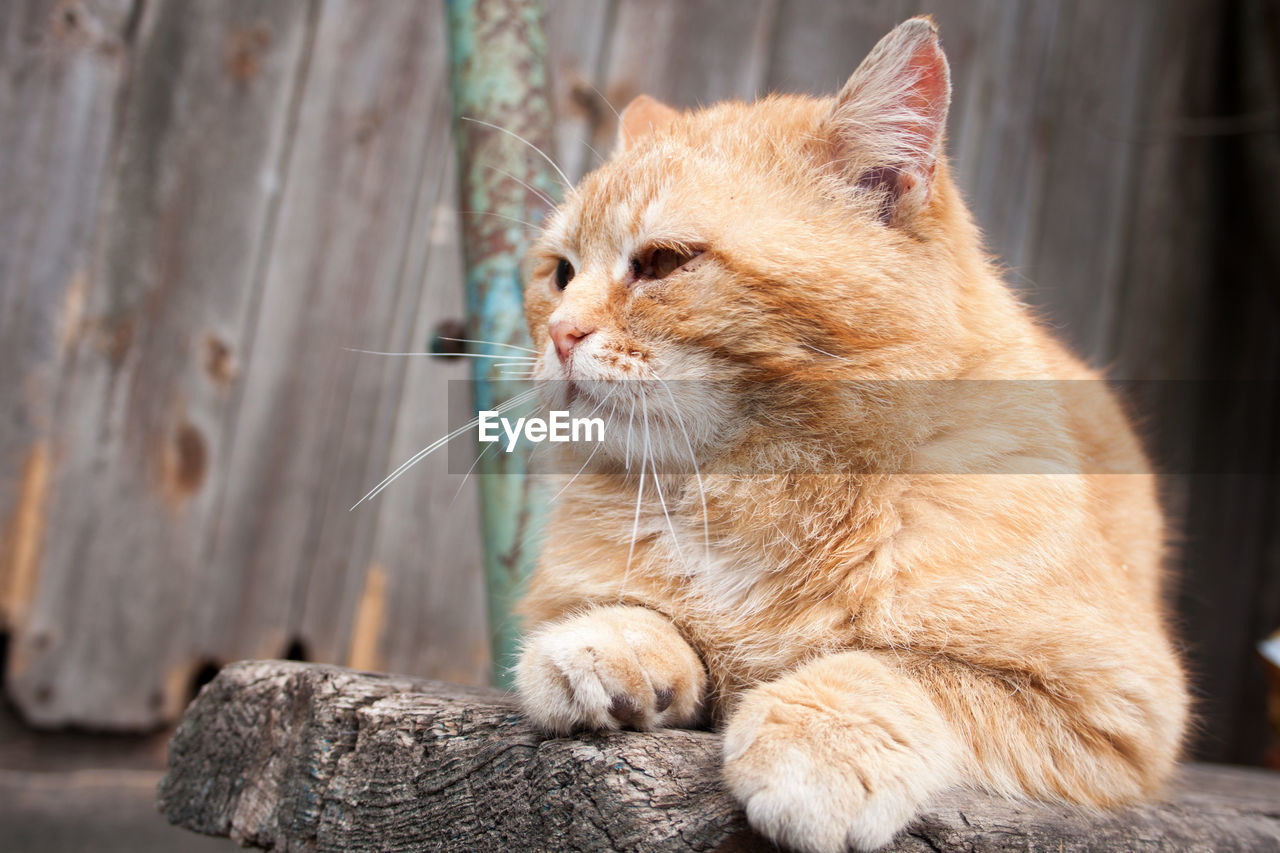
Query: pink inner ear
(643, 116)
(888, 120)
(927, 97)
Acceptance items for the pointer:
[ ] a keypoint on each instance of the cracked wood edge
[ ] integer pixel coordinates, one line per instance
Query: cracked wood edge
(292, 756)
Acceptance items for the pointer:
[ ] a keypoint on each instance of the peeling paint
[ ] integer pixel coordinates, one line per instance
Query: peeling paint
(499, 81)
(21, 540)
(365, 650)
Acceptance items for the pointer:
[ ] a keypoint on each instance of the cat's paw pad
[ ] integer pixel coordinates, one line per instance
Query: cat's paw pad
(608, 669)
(790, 771)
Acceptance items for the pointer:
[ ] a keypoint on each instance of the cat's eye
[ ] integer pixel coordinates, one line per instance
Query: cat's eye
(658, 262)
(564, 274)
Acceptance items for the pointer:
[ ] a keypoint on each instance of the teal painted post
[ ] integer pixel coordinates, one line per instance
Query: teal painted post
(498, 73)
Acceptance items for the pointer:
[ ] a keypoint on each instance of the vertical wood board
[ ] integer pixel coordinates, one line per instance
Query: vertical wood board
(139, 424)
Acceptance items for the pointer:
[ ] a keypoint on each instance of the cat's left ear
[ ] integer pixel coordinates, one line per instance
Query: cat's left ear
(642, 116)
(888, 122)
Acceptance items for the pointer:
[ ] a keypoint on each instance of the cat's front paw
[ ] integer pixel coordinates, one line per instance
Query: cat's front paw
(823, 764)
(609, 668)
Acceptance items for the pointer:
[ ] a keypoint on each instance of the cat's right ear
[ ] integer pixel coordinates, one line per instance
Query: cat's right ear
(642, 117)
(888, 122)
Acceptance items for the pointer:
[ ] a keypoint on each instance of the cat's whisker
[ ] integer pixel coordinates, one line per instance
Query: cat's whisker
(539, 193)
(653, 467)
(491, 344)
(635, 527)
(514, 219)
(607, 103)
(568, 183)
(613, 390)
(697, 472)
(589, 147)
(572, 479)
(517, 400)
(626, 457)
(507, 356)
(470, 470)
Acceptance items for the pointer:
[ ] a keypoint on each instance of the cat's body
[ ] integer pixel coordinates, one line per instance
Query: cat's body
(965, 595)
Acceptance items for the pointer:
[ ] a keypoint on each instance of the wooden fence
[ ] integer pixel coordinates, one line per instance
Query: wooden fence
(202, 203)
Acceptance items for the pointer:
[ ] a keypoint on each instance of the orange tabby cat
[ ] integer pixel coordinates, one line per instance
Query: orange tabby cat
(873, 633)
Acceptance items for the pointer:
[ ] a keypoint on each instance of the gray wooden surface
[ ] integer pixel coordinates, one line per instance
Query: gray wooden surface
(289, 756)
(203, 202)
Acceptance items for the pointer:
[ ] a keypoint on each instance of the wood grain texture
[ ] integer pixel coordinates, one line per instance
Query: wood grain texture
(1235, 516)
(62, 68)
(287, 756)
(1089, 124)
(316, 422)
(140, 415)
(689, 52)
(586, 125)
(816, 45)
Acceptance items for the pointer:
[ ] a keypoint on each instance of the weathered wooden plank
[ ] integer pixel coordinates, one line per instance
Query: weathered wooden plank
(1233, 549)
(430, 617)
(1075, 256)
(816, 45)
(61, 69)
(1155, 331)
(689, 52)
(961, 27)
(285, 756)
(289, 558)
(499, 79)
(577, 32)
(140, 418)
(1003, 150)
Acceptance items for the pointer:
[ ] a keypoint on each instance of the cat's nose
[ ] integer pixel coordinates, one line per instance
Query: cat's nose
(566, 334)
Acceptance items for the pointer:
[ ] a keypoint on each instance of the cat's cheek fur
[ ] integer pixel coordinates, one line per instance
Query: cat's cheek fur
(841, 753)
(609, 668)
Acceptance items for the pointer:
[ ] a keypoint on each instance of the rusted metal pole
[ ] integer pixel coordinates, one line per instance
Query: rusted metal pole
(498, 74)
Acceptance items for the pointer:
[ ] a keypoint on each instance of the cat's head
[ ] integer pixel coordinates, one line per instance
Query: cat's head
(754, 245)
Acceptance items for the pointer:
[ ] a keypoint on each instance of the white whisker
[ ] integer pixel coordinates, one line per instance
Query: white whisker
(697, 473)
(566, 486)
(467, 476)
(514, 219)
(635, 527)
(607, 103)
(599, 156)
(612, 390)
(539, 151)
(438, 443)
(491, 343)
(536, 192)
(657, 484)
(508, 356)
(626, 458)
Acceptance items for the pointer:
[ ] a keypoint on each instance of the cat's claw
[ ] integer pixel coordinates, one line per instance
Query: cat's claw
(610, 668)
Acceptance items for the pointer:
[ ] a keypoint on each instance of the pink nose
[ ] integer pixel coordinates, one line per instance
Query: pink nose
(566, 334)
